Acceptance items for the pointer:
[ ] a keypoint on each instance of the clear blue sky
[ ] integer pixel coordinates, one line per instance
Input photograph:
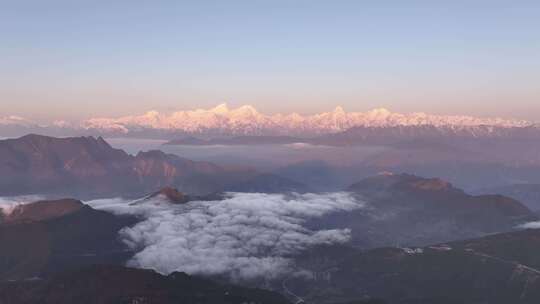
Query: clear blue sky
(75, 59)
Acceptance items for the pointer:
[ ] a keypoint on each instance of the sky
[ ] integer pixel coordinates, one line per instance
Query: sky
(74, 59)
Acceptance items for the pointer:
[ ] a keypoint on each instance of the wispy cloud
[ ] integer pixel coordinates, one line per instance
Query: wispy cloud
(531, 225)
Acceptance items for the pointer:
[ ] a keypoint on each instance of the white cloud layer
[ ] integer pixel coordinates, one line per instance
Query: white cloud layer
(248, 235)
(531, 225)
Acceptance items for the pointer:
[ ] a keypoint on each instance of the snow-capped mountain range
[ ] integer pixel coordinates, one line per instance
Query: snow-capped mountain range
(14, 120)
(246, 120)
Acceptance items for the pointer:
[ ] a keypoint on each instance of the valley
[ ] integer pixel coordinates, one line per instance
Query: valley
(384, 238)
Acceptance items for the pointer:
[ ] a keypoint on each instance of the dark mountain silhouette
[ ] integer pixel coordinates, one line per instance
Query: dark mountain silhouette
(173, 196)
(51, 236)
(40, 164)
(519, 247)
(500, 268)
(42, 210)
(409, 210)
(423, 275)
(528, 194)
(115, 284)
(89, 167)
(437, 194)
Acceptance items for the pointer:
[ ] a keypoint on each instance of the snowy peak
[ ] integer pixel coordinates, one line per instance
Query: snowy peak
(381, 113)
(221, 109)
(245, 111)
(14, 120)
(339, 111)
(246, 120)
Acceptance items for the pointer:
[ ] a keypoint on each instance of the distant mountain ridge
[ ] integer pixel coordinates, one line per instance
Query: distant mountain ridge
(89, 167)
(246, 120)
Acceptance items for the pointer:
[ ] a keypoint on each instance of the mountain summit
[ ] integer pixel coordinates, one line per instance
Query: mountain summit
(246, 120)
(222, 120)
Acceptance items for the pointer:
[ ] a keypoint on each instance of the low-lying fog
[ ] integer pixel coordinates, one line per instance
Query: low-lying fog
(257, 156)
(474, 167)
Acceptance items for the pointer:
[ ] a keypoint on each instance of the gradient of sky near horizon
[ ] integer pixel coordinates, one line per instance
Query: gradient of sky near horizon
(78, 59)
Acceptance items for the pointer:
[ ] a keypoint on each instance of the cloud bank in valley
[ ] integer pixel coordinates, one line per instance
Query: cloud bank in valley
(245, 236)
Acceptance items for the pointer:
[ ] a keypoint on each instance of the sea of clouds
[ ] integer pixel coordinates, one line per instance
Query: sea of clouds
(244, 236)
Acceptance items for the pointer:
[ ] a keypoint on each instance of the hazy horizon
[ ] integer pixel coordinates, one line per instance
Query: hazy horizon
(101, 59)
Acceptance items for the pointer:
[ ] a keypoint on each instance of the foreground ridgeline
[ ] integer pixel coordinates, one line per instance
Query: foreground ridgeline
(50, 236)
(88, 167)
(498, 269)
(115, 284)
(47, 263)
(63, 251)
